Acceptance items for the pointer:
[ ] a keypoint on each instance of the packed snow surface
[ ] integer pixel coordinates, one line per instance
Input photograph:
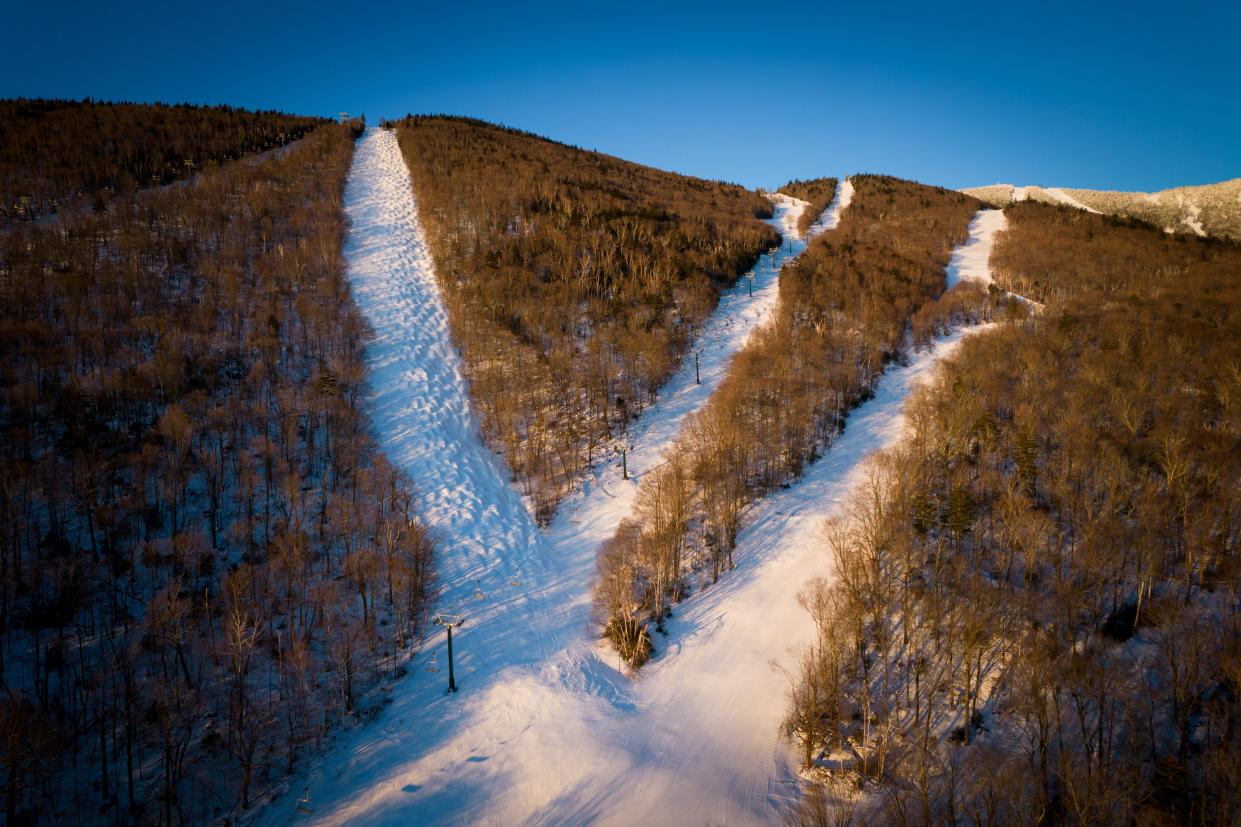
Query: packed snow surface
(831, 216)
(970, 260)
(1064, 198)
(545, 729)
(693, 740)
(538, 696)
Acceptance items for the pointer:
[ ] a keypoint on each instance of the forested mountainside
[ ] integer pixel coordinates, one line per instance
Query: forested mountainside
(1211, 209)
(1034, 613)
(817, 192)
(574, 282)
(53, 152)
(204, 561)
(845, 305)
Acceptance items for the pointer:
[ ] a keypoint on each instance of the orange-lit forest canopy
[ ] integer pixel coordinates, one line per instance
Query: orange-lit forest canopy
(1035, 609)
(574, 282)
(845, 306)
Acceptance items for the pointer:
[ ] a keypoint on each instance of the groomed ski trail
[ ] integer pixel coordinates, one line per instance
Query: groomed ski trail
(423, 420)
(971, 260)
(831, 216)
(535, 694)
(713, 701)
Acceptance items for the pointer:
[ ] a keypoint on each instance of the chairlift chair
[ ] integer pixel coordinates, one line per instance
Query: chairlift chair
(303, 804)
(434, 665)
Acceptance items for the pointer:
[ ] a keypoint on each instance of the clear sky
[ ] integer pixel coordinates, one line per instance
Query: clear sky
(1132, 95)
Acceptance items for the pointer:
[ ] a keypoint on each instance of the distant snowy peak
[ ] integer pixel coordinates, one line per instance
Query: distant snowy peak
(1213, 209)
(998, 195)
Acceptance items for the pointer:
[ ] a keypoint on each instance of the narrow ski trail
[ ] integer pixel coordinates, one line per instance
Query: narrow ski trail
(971, 260)
(527, 730)
(716, 694)
(424, 422)
(545, 729)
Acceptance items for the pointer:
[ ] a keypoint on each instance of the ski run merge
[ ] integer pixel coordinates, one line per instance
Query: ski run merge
(547, 729)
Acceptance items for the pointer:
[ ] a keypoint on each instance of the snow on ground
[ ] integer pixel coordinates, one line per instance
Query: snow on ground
(418, 406)
(424, 422)
(1191, 220)
(533, 736)
(831, 217)
(827, 221)
(1064, 198)
(1048, 194)
(693, 740)
(970, 260)
(790, 217)
(545, 730)
(706, 741)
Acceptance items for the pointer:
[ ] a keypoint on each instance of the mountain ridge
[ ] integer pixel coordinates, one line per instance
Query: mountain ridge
(1204, 210)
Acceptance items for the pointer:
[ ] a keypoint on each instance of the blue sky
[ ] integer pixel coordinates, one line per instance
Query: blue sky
(1129, 95)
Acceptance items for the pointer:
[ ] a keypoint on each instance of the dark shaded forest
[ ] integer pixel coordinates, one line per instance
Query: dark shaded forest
(845, 309)
(205, 563)
(54, 153)
(1033, 617)
(582, 274)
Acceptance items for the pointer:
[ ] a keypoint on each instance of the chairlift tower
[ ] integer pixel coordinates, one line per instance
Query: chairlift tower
(624, 452)
(303, 804)
(449, 622)
(344, 117)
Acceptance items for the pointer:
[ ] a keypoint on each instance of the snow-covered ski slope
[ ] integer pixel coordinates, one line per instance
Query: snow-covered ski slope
(970, 261)
(537, 692)
(831, 216)
(545, 730)
(706, 746)
(418, 405)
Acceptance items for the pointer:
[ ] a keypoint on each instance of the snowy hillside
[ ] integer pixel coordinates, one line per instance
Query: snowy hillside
(537, 695)
(545, 725)
(1212, 209)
